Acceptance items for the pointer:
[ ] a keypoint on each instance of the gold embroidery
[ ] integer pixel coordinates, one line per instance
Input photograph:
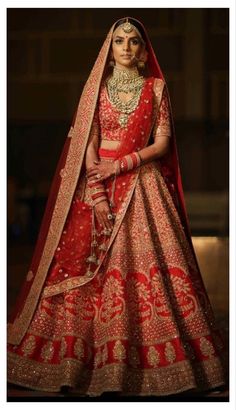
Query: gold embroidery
(29, 345)
(79, 349)
(169, 379)
(162, 125)
(153, 356)
(47, 351)
(170, 352)
(63, 348)
(206, 347)
(98, 358)
(119, 351)
(104, 354)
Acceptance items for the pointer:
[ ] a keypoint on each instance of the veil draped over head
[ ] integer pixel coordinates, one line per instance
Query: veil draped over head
(64, 184)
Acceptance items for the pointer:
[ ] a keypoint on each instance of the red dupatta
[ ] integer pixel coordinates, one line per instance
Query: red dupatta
(64, 184)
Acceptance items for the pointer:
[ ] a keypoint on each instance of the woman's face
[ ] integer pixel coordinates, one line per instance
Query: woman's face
(125, 47)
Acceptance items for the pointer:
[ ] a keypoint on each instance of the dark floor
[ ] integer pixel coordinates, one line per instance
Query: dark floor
(16, 393)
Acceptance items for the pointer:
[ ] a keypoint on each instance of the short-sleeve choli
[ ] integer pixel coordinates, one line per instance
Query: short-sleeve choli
(106, 124)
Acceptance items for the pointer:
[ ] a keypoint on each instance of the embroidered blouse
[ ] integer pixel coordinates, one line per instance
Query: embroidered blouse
(106, 125)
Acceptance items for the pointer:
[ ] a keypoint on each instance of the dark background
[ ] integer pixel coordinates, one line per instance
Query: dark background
(50, 55)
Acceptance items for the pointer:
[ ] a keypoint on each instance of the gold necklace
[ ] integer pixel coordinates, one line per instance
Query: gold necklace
(125, 81)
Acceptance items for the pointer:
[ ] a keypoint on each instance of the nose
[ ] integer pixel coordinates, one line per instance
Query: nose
(126, 45)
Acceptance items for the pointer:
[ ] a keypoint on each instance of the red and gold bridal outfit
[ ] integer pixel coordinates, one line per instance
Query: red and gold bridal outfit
(143, 322)
(140, 320)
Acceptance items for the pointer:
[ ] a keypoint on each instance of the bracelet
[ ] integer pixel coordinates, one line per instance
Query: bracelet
(96, 190)
(117, 167)
(127, 163)
(97, 195)
(95, 184)
(99, 199)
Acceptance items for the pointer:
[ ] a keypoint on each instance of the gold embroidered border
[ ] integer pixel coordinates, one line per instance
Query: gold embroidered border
(104, 340)
(115, 377)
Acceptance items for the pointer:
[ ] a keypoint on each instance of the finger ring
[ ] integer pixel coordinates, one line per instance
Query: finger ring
(98, 176)
(109, 216)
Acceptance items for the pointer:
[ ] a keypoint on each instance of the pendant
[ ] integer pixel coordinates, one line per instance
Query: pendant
(107, 232)
(89, 273)
(123, 119)
(91, 259)
(102, 247)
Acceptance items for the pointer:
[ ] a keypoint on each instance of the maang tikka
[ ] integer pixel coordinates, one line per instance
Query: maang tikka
(128, 27)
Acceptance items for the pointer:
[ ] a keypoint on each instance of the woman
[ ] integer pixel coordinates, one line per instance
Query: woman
(114, 299)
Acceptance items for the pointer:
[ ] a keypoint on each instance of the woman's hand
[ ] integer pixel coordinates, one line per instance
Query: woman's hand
(100, 171)
(102, 211)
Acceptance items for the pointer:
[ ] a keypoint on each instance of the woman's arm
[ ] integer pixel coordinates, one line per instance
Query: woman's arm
(161, 132)
(155, 150)
(97, 189)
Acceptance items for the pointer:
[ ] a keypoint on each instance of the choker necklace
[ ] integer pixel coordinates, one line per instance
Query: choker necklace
(126, 81)
(122, 74)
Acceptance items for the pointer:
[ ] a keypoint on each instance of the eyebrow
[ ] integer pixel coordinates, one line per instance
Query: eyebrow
(130, 38)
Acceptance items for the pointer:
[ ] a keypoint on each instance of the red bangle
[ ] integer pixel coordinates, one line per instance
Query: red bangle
(95, 184)
(97, 192)
(129, 162)
(97, 195)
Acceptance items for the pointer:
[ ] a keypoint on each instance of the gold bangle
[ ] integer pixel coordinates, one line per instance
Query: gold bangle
(117, 167)
(96, 190)
(99, 199)
(140, 159)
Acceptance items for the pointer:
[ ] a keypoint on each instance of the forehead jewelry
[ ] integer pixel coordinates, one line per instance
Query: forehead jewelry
(127, 27)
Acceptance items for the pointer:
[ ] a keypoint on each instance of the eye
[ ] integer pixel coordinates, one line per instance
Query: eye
(135, 41)
(118, 41)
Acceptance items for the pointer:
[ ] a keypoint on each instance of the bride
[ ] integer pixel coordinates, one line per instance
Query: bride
(114, 300)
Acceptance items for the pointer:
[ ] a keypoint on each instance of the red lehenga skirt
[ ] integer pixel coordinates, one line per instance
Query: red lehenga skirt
(143, 325)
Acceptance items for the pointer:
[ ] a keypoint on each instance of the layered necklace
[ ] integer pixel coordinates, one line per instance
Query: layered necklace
(126, 81)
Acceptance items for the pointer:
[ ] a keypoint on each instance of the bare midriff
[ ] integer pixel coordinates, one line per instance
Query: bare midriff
(109, 144)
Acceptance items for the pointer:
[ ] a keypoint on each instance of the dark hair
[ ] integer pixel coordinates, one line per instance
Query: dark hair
(134, 22)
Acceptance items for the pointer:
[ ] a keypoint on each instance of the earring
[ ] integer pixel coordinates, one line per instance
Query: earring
(141, 64)
(143, 59)
(111, 61)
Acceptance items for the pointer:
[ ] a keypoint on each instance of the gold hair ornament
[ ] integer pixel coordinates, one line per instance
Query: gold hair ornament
(128, 27)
